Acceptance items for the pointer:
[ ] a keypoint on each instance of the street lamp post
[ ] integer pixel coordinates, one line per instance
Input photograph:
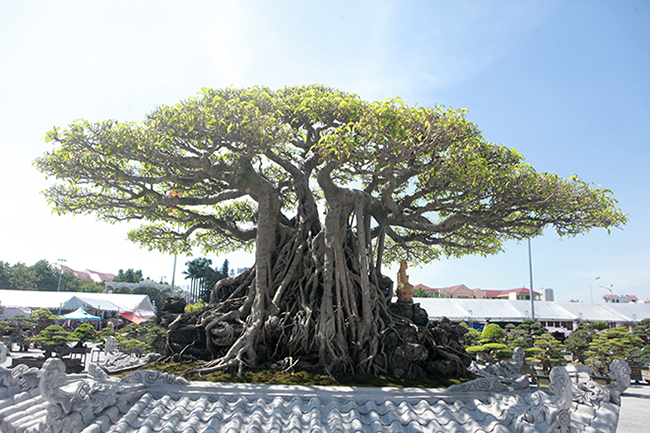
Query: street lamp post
(174, 275)
(60, 273)
(591, 291)
(530, 270)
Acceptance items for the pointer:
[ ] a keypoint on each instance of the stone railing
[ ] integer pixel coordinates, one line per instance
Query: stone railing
(49, 401)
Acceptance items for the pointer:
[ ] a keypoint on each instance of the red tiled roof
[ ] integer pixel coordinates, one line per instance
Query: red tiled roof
(518, 290)
(87, 274)
(488, 292)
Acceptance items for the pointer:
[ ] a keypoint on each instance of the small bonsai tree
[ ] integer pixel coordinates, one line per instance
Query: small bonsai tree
(53, 339)
(524, 334)
(471, 337)
(144, 338)
(546, 351)
(493, 332)
(642, 330)
(84, 332)
(18, 328)
(578, 342)
(491, 345)
(42, 319)
(616, 343)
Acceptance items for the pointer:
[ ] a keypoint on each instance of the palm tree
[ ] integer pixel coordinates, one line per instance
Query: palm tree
(196, 272)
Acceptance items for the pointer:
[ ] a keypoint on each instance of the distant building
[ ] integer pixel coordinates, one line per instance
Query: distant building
(547, 295)
(88, 275)
(461, 291)
(616, 299)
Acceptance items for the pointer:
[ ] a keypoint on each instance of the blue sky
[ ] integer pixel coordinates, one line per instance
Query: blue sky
(565, 83)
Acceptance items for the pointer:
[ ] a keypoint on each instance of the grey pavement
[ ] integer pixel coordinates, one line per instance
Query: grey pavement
(635, 410)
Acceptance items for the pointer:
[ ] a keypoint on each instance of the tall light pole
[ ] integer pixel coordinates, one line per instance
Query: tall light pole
(174, 275)
(530, 270)
(591, 291)
(60, 273)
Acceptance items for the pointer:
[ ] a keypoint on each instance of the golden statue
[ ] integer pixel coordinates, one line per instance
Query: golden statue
(404, 288)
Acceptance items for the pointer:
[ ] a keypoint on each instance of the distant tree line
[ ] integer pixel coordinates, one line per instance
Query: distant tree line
(42, 276)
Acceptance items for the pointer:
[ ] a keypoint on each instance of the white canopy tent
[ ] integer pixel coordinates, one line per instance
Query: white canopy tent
(497, 310)
(138, 304)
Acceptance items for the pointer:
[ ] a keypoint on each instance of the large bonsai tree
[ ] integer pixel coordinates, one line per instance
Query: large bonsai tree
(326, 188)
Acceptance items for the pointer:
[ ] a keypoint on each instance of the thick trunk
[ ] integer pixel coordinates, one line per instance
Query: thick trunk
(315, 298)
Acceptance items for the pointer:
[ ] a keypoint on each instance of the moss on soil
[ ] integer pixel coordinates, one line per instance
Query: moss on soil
(307, 378)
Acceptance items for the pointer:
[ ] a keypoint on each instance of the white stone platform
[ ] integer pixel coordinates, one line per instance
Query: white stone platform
(48, 400)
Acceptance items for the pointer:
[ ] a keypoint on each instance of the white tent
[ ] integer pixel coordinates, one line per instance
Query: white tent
(497, 310)
(10, 312)
(138, 304)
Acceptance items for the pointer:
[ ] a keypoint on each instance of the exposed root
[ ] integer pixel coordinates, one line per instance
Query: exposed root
(324, 305)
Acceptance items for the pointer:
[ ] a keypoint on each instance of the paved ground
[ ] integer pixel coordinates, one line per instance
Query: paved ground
(635, 410)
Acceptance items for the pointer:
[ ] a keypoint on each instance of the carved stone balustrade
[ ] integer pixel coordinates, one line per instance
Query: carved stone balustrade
(49, 401)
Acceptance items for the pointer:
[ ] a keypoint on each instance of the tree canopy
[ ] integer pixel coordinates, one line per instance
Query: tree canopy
(325, 187)
(128, 276)
(42, 276)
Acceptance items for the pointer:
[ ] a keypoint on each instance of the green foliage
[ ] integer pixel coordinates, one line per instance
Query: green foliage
(46, 276)
(547, 351)
(301, 377)
(85, 332)
(475, 349)
(53, 335)
(5, 275)
(524, 334)
(196, 306)
(128, 276)
(42, 317)
(21, 277)
(579, 340)
(493, 332)
(104, 333)
(611, 344)
(471, 337)
(17, 323)
(145, 337)
(490, 343)
(642, 330)
(645, 354)
(42, 276)
(504, 353)
(495, 346)
(600, 325)
(131, 346)
(203, 277)
(150, 172)
(421, 293)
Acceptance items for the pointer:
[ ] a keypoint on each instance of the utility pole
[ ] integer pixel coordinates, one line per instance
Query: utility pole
(591, 291)
(174, 275)
(530, 269)
(60, 273)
